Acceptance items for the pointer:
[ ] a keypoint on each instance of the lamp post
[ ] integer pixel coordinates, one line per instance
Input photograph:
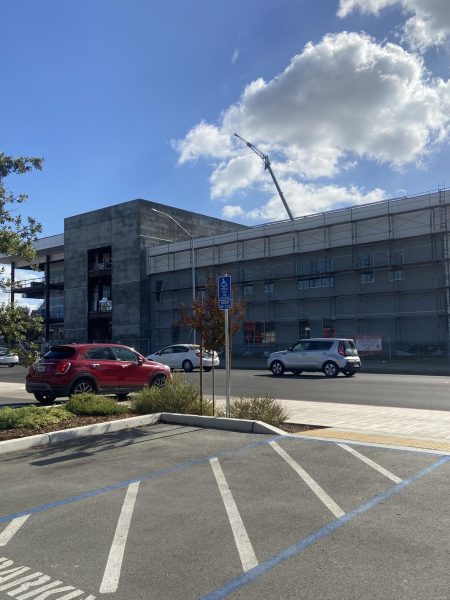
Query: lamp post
(192, 252)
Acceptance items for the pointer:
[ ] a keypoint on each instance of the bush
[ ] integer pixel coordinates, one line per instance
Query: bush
(177, 396)
(258, 408)
(32, 416)
(91, 404)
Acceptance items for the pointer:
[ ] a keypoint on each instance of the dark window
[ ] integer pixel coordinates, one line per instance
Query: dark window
(347, 348)
(320, 345)
(168, 350)
(396, 261)
(367, 277)
(60, 352)
(100, 354)
(124, 354)
(301, 346)
(259, 332)
(159, 287)
(180, 349)
(367, 274)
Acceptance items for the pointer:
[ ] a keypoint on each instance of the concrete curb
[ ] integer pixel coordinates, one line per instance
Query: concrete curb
(67, 435)
(240, 425)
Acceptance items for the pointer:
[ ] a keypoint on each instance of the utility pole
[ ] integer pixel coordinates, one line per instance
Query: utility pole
(267, 166)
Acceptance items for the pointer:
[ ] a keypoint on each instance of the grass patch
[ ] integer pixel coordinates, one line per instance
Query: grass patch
(91, 404)
(32, 417)
(177, 396)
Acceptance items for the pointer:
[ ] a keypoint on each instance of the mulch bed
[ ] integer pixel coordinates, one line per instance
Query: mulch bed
(298, 427)
(20, 432)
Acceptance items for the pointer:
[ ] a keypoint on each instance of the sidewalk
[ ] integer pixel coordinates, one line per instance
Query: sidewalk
(411, 422)
(419, 428)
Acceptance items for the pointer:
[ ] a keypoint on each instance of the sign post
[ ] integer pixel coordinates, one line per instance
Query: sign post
(224, 297)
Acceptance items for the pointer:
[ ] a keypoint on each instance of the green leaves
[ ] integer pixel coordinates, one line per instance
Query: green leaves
(9, 164)
(16, 233)
(18, 326)
(208, 319)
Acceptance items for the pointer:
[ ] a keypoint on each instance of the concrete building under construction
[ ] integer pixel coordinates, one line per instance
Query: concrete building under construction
(378, 273)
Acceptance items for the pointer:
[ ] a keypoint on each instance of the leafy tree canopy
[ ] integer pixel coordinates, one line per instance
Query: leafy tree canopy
(209, 320)
(18, 327)
(16, 234)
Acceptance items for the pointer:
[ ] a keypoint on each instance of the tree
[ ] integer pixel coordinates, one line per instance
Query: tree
(18, 326)
(209, 320)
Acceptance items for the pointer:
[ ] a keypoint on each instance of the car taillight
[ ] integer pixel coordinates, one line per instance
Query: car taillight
(197, 353)
(62, 367)
(341, 350)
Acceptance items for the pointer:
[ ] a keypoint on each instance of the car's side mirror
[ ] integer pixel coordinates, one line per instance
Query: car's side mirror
(140, 360)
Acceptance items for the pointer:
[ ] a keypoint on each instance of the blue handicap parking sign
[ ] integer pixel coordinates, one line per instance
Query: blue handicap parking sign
(224, 292)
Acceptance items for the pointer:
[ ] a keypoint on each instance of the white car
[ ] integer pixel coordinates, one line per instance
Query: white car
(329, 355)
(7, 359)
(185, 356)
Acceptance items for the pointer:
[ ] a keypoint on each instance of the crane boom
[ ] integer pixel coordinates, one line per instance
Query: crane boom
(261, 155)
(267, 166)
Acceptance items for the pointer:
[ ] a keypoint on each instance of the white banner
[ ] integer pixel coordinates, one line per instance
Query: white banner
(369, 343)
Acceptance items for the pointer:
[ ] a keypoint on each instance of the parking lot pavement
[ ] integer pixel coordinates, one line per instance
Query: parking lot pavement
(171, 511)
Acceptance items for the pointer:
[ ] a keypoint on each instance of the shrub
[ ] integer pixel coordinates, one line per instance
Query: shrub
(9, 418)
(33, 417)
(178, 396)
(91, 404)
(258, 408)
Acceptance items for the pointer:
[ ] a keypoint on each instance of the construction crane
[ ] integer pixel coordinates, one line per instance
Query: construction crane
(267, 166)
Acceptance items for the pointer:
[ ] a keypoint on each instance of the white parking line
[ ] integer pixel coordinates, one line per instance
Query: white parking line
(111, 576)
(315, 487)
(371, 463)
(243, 544)
(12, 529)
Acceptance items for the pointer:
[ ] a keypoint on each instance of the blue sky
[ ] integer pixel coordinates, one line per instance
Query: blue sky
(140, 99)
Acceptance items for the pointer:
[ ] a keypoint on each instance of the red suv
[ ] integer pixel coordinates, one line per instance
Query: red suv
(94, 368)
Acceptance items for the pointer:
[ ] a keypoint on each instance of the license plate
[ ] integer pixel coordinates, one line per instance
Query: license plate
(40, 368)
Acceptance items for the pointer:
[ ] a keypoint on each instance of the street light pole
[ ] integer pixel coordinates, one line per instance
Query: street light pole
(192, 253)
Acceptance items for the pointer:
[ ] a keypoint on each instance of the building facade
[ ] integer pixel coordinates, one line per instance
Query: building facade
(378, 273)
(93, 280)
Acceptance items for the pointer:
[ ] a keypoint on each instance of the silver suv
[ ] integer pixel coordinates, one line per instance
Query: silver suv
(330, 355)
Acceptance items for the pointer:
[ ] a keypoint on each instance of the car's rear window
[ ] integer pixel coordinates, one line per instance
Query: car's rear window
(60, 352)
(349, 348)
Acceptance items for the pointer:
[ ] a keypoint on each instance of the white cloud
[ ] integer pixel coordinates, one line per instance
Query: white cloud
(344, 99)
(203, 140)
(235, 56)
(231, 212)
(306, 199)
(428, 24)
(364, 6)
(238, 173)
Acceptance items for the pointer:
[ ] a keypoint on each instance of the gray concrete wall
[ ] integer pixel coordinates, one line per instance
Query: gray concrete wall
(129, 229)
(408, 312)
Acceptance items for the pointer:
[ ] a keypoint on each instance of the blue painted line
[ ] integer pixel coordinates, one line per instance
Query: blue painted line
(145, 477)
(266, 566)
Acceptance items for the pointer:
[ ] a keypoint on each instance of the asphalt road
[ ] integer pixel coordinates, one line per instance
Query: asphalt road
(173, 512)
(372, 389)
